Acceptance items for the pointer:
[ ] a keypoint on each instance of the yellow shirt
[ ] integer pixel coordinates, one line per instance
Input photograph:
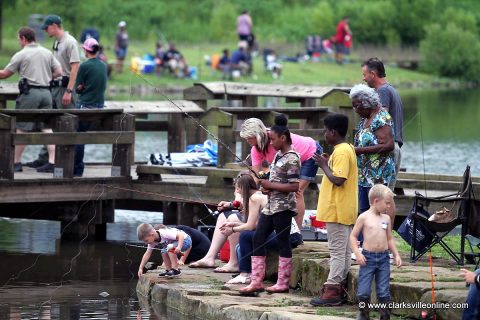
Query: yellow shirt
(340, 204)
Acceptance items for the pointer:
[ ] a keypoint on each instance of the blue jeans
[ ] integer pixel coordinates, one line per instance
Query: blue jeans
(378, 266)
(244, 248)
(83, 126)
(473, 300)
(363, 202)
(309, 168)
(187, 243)
(363, 205)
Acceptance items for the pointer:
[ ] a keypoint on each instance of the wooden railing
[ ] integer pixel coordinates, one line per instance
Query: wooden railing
(314, 103)
(115, 127)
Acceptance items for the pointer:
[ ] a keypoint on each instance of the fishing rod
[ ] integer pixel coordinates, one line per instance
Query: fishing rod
(198, 124)
(140, 246)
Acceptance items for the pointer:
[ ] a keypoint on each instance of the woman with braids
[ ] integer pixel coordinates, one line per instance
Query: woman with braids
(231, 222)
(277, 214)
(259, 137)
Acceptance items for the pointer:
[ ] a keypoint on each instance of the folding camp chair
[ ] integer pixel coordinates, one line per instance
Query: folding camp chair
(459, 202)
(473, 257)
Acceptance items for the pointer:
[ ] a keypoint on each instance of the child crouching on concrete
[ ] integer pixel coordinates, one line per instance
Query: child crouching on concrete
(374, 260)
(171, 242)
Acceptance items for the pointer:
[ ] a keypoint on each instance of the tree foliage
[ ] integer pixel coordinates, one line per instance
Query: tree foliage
(447, 29)
(458, 58)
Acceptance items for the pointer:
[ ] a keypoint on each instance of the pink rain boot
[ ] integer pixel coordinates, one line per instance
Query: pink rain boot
(258, 273)
(284, 272)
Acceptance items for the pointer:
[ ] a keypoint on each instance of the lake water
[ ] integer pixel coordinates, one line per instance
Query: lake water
(43, 278)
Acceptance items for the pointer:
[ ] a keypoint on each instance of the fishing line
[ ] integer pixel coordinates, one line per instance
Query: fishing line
(423, 153)
(132, 275)
(74, 218)
(49, 301)
(161, 195)
(198, 124)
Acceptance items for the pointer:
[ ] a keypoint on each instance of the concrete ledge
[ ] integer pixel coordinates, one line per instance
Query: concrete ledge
(202, 293)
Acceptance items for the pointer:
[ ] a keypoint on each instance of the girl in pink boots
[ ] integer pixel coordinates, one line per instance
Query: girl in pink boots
(277, 215)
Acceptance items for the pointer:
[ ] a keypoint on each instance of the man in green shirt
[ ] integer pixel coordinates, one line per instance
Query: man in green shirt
(90, 85)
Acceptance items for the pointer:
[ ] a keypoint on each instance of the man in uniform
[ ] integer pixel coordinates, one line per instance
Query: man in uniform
(66, 51)
(36, 67)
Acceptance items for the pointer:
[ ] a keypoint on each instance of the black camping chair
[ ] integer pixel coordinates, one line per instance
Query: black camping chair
(473, 256)
(461, 202)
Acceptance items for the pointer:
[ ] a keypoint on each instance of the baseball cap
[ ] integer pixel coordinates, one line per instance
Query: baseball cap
(51, 19)
(90, 43)
(122, 24)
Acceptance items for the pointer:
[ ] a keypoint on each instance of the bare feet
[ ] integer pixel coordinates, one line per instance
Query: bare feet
(228, 268)
(202, 264)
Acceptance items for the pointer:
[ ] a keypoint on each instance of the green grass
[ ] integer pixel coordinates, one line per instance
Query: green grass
(452, 242)
(325, 73)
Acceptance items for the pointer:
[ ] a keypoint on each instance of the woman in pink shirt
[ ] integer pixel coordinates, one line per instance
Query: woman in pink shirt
(256, 134)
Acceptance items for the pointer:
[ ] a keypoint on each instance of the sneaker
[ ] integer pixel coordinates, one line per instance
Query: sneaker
(18, 167)
(46, 168)
(173, 273)
(35, 164)
(164, 273)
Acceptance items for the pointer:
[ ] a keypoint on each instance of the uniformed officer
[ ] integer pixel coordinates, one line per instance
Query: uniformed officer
(66, 51)
(36, 67)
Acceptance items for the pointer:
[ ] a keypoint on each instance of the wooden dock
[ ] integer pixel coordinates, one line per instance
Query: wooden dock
(182, 194)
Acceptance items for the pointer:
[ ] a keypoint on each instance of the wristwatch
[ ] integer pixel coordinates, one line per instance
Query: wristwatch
(69, 90)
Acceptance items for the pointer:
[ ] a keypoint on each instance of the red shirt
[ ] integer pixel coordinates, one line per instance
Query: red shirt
(341, 32)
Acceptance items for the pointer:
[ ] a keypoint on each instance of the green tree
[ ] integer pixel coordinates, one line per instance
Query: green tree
(458, 58)
(411, 17)
(222, 22)
(4, 4)
(322, 20)
(461, 18)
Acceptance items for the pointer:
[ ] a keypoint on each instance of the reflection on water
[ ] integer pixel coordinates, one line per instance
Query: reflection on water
(446, 123)
(42, 278)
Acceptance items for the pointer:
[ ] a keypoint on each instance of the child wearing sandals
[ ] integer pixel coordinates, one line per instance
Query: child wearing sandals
(163, 237)
(231, 222)
(277, 215)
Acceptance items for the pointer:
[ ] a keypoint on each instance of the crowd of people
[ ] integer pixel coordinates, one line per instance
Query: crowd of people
(55, 79)
(356, 200)
(356, 194)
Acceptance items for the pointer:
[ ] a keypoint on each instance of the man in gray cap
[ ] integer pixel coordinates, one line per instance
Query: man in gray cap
(36, 67)
(66, 51)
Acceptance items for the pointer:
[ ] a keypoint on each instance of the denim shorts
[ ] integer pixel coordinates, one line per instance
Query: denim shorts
(187, 243)
(309, 167)
(239, 215)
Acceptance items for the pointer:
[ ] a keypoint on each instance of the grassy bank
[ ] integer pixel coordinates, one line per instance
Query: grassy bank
(452, 242)
(325, 72)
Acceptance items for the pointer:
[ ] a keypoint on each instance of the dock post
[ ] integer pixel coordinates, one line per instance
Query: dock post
(177, 132)
(123, 154)
(65, 154)
(7, 128)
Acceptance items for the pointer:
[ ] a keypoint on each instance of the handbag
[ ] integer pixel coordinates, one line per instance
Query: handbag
(423, 238)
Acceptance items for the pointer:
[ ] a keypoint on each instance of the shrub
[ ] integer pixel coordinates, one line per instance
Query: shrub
(452, 52)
